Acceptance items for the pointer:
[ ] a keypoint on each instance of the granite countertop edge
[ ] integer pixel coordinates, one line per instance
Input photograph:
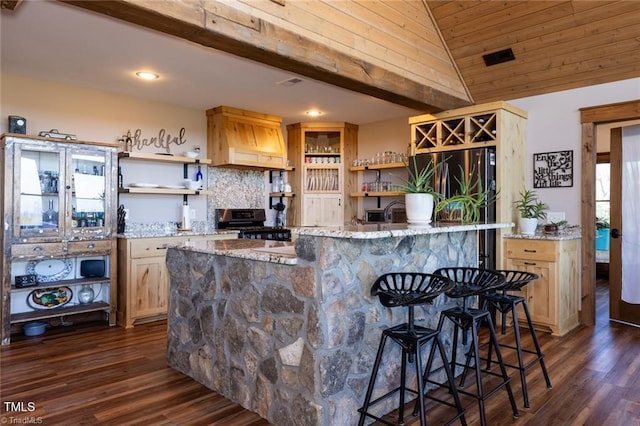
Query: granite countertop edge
(162, 234)
(282, 252)
(573, 235)
(373, 231)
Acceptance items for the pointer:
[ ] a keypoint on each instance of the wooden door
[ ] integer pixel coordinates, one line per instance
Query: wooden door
(619, 310)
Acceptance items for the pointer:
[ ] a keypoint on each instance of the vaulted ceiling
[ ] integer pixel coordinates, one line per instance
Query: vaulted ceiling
(557, 45)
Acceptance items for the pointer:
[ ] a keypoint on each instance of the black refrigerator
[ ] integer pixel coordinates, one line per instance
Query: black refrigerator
(483, 161)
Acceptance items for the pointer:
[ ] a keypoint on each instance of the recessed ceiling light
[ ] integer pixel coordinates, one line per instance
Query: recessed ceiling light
(314, 113)
(146, 75)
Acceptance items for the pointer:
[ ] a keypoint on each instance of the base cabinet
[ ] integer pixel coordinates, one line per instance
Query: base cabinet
(554, 298)
(323, 210)
(143, 279)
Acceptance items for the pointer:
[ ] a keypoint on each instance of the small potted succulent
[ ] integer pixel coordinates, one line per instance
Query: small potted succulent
(531, 209)
(555, 227)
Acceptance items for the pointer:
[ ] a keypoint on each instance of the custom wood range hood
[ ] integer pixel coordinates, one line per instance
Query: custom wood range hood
(245, 139)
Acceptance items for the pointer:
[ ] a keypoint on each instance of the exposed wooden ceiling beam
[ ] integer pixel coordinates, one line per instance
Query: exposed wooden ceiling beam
(10, 4)
(216, 25)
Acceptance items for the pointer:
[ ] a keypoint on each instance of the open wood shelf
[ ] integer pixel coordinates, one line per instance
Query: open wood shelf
(163, 158)
(59, 312)
(378, 194)
(377, 167)
(165, 191)
(60, 283)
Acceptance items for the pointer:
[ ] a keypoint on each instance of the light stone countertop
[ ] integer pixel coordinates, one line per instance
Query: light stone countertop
(161, 233)
(384, 230)
(283, 252)
(573, 233)
(261, 250)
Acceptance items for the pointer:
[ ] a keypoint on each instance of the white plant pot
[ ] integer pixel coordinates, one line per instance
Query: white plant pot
(528, 225)
(419, 208)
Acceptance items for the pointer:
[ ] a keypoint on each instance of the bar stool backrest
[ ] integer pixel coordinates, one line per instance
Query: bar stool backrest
(515, 280)
(409, 288)
(471, 281)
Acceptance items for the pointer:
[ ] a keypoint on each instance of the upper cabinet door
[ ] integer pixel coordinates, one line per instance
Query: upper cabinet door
(90, 195)
(62, 192)
(39, 184)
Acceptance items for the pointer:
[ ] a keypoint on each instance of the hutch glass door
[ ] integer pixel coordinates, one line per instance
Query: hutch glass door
(40, 182)
(90, 171)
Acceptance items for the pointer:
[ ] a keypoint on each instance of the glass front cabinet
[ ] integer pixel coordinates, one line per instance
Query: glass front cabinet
(318, 152)
(58, 204)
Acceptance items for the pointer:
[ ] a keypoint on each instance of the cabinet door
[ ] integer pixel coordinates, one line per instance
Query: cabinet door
(149, 289)
(541, 294)
(39, 183)
(90, 196)
(323, 210)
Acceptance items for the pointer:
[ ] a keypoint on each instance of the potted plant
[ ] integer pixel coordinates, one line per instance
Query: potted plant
(555, 227)
(531, 209)
(465, 205)
(602, 229)
(419, 192)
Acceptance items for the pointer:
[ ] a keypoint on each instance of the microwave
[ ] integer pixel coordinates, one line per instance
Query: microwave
(374, 215)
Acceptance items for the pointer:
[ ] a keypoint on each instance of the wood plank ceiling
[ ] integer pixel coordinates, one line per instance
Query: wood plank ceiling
(558, 45)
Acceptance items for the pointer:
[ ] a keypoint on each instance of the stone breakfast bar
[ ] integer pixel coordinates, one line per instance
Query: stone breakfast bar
(290, 330)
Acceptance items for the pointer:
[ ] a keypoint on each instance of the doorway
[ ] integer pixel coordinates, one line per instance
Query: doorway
(625, 208)
(590, 118)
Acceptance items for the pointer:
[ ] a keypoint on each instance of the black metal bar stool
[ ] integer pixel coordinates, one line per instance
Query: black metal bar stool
(504, 303)
(471, 282)
(410, 289)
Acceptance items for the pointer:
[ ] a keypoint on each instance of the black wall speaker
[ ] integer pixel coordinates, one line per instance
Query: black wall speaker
(92, 268)
(17, 124)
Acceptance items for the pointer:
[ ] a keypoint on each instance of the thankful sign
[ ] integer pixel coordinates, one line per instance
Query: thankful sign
(163, 141)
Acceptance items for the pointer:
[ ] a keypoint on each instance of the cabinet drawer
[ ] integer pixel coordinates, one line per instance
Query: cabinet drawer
(152, 247)
(37, 250)
(531, 249)
(97, 246)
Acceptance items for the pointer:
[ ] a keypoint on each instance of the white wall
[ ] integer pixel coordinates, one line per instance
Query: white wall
(554, 125)
(389, 135)
(101, 116)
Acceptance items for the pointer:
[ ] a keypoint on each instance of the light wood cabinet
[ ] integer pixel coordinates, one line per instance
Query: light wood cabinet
(319, 153)
(143, 279)
(240, 138)
(496, 124)
(554, 298)
(58, 200)
(325, 209)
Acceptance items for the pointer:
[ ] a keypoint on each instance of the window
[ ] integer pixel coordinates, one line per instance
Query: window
(603, 204)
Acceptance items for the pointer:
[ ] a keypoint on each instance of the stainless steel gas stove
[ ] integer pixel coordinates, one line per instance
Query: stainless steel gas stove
(250, 224)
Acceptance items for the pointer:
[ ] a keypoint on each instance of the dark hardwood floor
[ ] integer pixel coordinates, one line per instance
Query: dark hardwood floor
(94, 374)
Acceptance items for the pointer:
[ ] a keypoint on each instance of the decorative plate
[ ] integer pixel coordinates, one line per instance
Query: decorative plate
(144, 185)
(172, 186)
(49, 270)
(49, 298)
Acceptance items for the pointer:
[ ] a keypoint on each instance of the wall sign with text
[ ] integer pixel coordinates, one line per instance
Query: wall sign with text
(553, 169)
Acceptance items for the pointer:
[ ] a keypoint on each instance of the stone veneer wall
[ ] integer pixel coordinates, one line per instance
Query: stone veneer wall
(296, 343)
